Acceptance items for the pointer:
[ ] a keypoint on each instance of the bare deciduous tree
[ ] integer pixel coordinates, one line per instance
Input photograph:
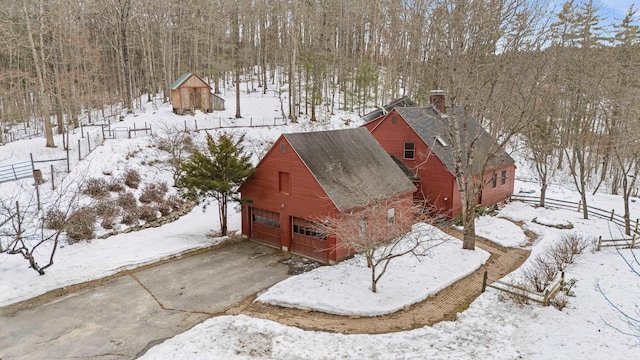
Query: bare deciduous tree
(32, 233)
(381, 231)
(177, 146)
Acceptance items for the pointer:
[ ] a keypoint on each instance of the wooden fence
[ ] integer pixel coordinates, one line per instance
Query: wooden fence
(594, 212)
(123, 132)
(617, 243)
(229, 123)
(542, 298)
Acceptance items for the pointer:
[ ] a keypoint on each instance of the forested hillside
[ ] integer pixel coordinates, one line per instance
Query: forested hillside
(558, 76)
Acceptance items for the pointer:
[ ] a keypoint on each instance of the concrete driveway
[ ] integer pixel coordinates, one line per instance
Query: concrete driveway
(123, 317)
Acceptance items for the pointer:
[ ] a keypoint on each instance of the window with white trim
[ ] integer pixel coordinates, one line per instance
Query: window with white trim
(362, 227)
(409, 150)
(391, 217)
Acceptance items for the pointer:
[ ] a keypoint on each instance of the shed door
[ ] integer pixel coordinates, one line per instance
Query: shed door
(307, 241)
(265, 226)
(194, 97)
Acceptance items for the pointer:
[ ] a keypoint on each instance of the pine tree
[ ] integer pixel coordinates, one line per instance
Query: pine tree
(217, 172)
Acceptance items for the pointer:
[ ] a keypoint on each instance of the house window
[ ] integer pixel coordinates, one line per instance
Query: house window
(284, 186)
(503, 177)
(391, 217)
(409, 150)
(283, 148)
(362, 227)
(494, 180)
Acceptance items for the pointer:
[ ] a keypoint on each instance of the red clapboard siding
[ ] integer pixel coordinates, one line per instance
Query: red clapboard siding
(305, 198)
(438, 185)
(436, 182)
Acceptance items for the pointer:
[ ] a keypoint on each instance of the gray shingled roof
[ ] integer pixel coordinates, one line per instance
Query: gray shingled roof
(350, 165)
(433, 129)
(404, 101)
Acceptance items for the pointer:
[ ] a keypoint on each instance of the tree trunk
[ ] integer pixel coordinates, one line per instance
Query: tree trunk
(625, 198)
(40, 68)
(124, 21)
(237, 79)
(374, 280)
(236, 30)
(222, 212)
(469, 230)
(543, 193)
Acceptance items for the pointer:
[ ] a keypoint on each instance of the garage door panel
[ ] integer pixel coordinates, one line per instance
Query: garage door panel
(306, 240)
(265, 226)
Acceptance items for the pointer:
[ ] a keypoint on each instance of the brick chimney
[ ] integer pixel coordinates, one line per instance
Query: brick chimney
(436, 98)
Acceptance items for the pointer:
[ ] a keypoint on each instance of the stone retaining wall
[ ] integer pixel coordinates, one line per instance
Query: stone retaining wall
(163, 220)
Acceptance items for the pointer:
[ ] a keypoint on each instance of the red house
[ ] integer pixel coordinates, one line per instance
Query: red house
(309, 176)
(417, 136)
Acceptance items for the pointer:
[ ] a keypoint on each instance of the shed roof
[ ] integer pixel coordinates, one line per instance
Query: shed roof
(350, 165)
(433, 128)
(184, 77)
(401, 102)
(176, 84)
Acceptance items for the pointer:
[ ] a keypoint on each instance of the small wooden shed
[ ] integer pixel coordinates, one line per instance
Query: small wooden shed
(189, 93)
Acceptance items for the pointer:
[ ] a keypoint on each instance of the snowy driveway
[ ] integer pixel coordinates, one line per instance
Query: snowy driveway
(122, 317)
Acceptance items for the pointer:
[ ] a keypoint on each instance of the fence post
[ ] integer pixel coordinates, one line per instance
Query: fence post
(79, 153)
(19, 222)
(53, 184)
(545, 301)
(185, 126)
(33, 171)
(636, 230)
(579, 205)
(484, 281)
(145, 127)
(88, 141)
(613, 211)
(633, 241)
(102, 127)
(196, 124)
(81, 130)
(599, 240)
(68, 168)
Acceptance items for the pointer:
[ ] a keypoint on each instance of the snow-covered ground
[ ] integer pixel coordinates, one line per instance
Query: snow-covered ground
(500, 231)
(491, 328)
(346, 287)
(98, 258)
